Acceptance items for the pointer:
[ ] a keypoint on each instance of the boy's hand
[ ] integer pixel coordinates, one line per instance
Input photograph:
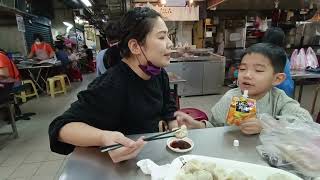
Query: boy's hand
(251, 126)
(185, 119)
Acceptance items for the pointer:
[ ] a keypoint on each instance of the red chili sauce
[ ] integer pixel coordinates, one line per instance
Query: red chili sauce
(180, 144)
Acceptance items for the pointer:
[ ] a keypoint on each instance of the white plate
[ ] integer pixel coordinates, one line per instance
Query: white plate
(257, 171)
(186, 139)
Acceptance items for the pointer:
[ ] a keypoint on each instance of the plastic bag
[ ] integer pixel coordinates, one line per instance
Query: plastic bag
(298, 60)
(291, 145)
(293, 59)
(311, 59)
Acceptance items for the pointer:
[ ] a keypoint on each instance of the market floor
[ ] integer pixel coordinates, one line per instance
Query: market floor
(29, 156)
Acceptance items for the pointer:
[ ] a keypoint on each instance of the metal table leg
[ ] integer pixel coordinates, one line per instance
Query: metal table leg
(36, 80)
(13, 121)
(300, 90)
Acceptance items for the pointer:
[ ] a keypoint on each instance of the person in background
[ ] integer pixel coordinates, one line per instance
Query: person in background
(8, 68)
(40, 50)
(73, 57)
(261, 69)
(88, 58)
(110, 56)
(276, 36)
(130, 98)
(62, 56)
(74, 68)
(10, 83)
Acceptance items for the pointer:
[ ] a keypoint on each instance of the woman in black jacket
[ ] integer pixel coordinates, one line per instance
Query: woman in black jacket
(130, 98)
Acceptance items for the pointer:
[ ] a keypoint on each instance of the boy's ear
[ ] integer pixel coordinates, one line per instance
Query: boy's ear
(278, 78)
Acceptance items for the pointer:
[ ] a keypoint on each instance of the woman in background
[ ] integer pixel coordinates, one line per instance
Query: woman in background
(40, 50)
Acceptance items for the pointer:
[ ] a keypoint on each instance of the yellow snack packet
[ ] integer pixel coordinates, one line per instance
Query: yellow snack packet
(241, 109)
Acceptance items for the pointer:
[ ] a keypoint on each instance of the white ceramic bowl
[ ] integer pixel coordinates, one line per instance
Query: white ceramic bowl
(186, 139)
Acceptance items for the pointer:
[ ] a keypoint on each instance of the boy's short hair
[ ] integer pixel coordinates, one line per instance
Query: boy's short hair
(274, 53)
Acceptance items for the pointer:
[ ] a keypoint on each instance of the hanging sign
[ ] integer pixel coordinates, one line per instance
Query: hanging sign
(20, 23)
(178, 13)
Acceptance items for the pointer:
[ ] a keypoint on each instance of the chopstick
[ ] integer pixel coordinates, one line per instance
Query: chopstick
(151, 138)
(117, 146)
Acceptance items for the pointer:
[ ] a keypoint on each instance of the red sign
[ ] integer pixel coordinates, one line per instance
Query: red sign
(212, 3)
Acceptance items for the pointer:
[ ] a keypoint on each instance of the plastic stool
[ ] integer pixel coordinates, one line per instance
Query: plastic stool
(23, 95)
(64, 77)
(52, 90)
(196, 114)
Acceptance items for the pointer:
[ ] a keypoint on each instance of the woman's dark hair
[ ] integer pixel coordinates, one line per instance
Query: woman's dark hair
(111, 57)
(37, 36)
(136, 24)
(275, 36)
(113, 31)
(274, 53)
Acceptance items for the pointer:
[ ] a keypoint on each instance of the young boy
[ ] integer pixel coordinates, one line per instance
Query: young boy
(261, 69)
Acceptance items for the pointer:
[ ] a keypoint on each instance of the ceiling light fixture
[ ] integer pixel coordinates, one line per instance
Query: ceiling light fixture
(86, 3)
(69, 26)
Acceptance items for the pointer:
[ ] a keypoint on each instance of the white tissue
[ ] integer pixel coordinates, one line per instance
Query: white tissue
(157, 172)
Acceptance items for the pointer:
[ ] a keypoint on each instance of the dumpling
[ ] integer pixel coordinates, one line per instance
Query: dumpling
(209, 166)
(192, 166)
(185, 176)
(203, 175)
(219, 174)
(182, 132)
(278, 176)
(238, 175)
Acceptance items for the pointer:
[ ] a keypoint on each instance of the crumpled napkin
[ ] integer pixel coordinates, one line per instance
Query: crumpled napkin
(157, 172)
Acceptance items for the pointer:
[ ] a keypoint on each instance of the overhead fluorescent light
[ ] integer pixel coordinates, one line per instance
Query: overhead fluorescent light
(68, 24)
(86, 3)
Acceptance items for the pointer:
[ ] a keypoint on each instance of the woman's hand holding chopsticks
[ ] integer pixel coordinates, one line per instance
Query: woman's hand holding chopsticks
(127, 142)
(129, 149)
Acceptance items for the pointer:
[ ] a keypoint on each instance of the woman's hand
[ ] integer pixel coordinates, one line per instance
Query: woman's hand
(185, 119)
(130, 150)
(251, 126)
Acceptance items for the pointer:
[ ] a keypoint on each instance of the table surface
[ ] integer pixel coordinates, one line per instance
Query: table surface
(89, 163)
(34, 67)
(304, 75)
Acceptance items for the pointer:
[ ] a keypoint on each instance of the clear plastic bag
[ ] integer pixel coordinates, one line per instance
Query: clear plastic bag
(312, 61)
(293, 61)
(291, 145)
